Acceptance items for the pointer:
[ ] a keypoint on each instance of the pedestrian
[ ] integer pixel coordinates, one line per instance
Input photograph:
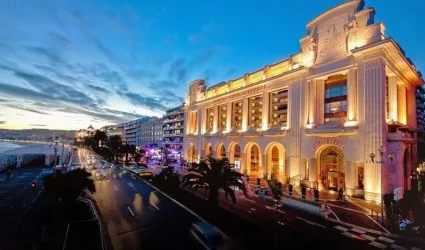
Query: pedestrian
(340, 193)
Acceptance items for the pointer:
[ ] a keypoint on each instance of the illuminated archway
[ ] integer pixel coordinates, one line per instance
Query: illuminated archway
(275, 160)
(253, 161)
(191, 153)
(331, 162)
(220, 151)
(208, 151)
(235, 156)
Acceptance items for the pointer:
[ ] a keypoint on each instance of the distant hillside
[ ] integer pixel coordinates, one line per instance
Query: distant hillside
(35, 134)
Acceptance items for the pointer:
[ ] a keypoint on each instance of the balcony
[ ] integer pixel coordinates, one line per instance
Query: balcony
(332, 129)
(173, 127)
(401, 136)
(179, 119)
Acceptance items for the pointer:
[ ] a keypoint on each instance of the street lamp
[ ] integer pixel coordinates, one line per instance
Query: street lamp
(55, 148)
(380, 161)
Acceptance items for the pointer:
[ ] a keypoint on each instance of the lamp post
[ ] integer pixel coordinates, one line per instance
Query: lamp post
(55, 148)
(381, 162)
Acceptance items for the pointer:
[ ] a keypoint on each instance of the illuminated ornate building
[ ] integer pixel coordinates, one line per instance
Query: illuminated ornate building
(341, 112)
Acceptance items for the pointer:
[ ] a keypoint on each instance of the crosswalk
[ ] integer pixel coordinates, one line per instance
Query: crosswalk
(379, 242)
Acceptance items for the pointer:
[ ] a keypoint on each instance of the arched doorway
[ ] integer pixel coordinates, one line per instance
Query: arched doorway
(208, 150)
(332, 167)
(275, 155)
(221, 151)
(191, 153)
(235, 155)
(406, 169)
(253, 161)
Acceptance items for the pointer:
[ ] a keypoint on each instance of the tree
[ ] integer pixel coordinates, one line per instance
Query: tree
(168, 179)
(115, 143)
(214, 175)
(99, 137)
(67, 187)
(137, 157)
(128, 149)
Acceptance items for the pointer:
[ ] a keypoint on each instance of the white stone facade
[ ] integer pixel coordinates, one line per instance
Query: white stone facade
(317, 117)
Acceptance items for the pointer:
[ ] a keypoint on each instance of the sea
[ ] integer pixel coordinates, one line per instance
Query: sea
(5, 145)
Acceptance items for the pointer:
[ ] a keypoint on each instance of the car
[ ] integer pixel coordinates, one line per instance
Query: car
(207, 236)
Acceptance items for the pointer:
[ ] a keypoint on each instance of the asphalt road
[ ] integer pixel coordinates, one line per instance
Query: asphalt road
(16, 197)
(139, 217)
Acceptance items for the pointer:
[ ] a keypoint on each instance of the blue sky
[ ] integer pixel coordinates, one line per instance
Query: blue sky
(68, 64)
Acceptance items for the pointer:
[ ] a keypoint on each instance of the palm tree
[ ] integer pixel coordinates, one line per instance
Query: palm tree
(214, 175)
(115, 144)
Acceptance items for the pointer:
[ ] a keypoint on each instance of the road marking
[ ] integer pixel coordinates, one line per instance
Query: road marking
(253, 209)
(129, 209)
(357, 230)
(368, 237)
(131, 184)
(153, 205)
(243, 198)
(386, 239)
(383, 228)
(311, 222)
(116, 188)
(341, 228)
(336, 216)
(378, 245)
(397, 247)
(249, 211)
(274, 208)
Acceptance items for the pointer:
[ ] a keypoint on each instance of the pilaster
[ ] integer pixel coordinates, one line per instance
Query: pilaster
(244, 114)
(215, 124)
(320, 101)
(402, 108)
(229, 117)
(352, 95)
(265, 110)
(392, 96)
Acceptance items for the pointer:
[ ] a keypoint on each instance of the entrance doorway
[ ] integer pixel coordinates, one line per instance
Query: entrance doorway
(332, 168)
(253, 161)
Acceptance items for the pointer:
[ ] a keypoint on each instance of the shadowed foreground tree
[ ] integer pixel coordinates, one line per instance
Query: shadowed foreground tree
(114, 144)
(214, 175)
(67, 187)
(168, 179)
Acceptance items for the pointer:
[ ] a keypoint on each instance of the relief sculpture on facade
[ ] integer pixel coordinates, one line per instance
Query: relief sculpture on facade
(332, 39)
(351, 34)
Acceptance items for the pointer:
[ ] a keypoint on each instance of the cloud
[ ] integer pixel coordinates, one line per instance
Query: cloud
(229, 73)
(20, 107)
(151, 103)
(3, 122)
(37, 125)
(3, 100)
(97, 88)
(178, 70)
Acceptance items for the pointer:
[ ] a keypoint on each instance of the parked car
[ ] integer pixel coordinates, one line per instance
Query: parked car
(207, 236)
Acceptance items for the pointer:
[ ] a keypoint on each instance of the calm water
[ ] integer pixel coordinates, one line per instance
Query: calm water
(4, 146)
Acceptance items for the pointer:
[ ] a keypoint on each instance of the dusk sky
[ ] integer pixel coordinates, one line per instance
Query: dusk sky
(69, 64)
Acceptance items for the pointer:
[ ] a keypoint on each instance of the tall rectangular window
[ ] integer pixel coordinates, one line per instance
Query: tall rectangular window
(222, 117)
(193, 122)
(336, 99)
(237, 115)
(255, 112)
(210, 119)
(387, 99)
(278, 108)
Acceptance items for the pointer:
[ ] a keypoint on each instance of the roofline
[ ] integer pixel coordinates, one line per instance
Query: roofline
(351, 2)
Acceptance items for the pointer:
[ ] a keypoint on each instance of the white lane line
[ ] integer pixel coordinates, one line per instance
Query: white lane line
(311, 222)
(341, 228)
(386, 239)
(336, 216)
(357, 230)
(368, 237)
(378, 245)
(153, 205)
(178, 203)
(116, 188)
(129, 209)
(274, 208)
(383, 228)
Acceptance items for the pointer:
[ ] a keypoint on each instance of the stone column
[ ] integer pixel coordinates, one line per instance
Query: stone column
(320, 101)
(245, 114)
(352, 95)
(229, 117)
(374, 128)
(411, 107)
(311, 95)
(312, 169)
(266, 110)
(215, 124)
(392, 96)
(350, 177)
(402, 108)
(262, 166)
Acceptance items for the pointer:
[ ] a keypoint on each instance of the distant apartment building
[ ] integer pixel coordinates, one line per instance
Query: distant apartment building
(114, 130)
(150, 133)
(174, 129)
(131, 130)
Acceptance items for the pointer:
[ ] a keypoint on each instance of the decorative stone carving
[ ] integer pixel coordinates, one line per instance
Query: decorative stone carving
(351, 34)
(332, 40)
(312, 51)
